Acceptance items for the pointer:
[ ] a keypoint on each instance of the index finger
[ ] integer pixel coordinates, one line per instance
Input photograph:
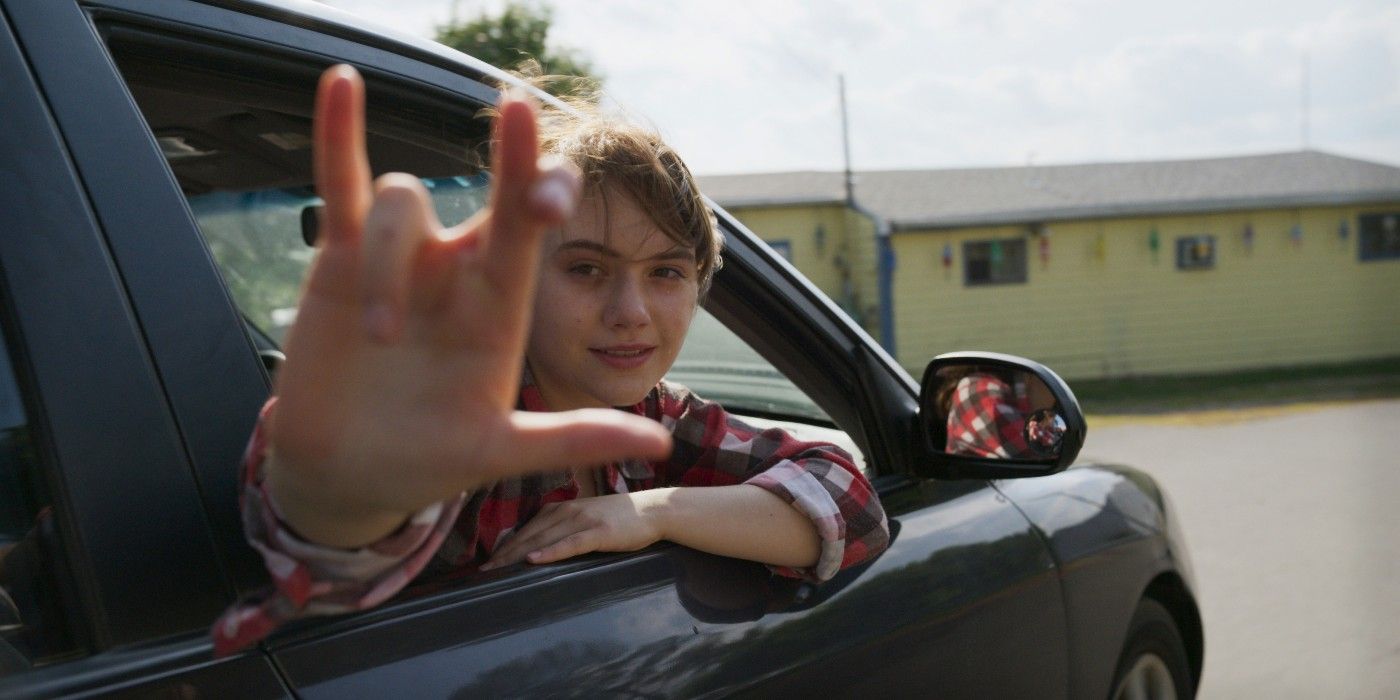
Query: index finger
(339, 159)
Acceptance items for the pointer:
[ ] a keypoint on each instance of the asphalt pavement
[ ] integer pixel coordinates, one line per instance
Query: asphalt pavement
(1292, 517)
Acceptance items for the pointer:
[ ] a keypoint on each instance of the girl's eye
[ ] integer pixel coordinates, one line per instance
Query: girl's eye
(585, 270)
(673, 273)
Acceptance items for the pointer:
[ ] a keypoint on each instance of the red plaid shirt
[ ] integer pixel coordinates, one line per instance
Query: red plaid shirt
(987, 418)
(712, 448)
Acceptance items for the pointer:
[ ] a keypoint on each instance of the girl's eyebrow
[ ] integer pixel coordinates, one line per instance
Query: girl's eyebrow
(677, 253)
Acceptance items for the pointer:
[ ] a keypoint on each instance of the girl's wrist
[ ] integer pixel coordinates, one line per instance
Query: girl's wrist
(659, 510)
(320, 521)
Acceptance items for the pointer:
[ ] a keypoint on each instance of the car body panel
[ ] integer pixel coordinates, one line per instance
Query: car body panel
(932, 612)
(1108, 528)
(179, 668)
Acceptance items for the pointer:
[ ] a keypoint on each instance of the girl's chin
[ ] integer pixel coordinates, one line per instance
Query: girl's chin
(631, 394)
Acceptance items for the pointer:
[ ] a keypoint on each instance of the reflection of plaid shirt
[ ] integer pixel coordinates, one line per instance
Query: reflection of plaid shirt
(986, 418)
(712, 448)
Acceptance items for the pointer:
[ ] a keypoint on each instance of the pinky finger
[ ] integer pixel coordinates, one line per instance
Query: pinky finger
(571, 546)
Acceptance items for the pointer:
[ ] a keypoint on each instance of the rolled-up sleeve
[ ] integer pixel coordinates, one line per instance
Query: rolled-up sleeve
(819, 479)
(312, 579)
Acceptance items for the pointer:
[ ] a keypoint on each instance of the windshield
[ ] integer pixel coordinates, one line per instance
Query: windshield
(256, 239)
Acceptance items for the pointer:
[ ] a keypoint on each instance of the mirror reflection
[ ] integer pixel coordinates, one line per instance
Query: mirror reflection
(998, 412)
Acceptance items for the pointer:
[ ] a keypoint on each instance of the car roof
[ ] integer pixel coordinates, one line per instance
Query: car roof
(340, 22)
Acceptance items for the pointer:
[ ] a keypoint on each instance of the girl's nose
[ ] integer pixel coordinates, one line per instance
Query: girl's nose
(627, 303)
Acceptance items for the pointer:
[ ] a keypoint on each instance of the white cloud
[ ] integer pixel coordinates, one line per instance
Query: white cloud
(739, 85)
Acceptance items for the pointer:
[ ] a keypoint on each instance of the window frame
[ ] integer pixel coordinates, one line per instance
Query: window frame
(1365, 255)
(1020, 276)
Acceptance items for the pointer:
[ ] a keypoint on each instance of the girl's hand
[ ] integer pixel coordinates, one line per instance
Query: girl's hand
(404, 364)
(622, 522)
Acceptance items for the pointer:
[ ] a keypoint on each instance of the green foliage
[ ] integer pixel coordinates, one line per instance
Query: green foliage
(515, 39)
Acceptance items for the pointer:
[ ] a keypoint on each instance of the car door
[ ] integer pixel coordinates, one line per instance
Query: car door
(965, 602)
(117, 547)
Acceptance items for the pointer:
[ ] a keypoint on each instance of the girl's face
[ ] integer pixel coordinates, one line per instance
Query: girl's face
(616, 297)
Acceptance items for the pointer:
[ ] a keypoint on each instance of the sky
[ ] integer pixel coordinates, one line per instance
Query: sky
(740, 86)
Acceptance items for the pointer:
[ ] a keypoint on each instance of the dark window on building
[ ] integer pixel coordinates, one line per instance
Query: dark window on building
(1380, 236)
(1001, 261)
(1195, 252)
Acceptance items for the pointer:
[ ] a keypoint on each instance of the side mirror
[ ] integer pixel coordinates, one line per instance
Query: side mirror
(992, 416)
(310, 224)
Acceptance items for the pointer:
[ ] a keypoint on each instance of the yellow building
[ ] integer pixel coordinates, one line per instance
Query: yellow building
(1102, 270)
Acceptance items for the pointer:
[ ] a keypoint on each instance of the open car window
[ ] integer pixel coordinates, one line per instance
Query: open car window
(721, 367)
(240, 148)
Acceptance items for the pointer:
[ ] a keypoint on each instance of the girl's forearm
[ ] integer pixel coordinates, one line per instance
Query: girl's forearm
(741, 521)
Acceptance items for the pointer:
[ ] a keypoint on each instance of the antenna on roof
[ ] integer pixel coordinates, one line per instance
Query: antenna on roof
(846, 140)
(1303, 108)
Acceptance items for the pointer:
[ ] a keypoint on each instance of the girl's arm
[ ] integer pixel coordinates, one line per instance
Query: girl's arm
(801, 507)
(742, 521)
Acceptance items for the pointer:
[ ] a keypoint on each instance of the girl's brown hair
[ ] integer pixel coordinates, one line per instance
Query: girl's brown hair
(616, 155)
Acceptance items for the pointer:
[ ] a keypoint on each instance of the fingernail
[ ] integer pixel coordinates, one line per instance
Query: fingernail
(535, 555)
(553, 193)
(380, 321)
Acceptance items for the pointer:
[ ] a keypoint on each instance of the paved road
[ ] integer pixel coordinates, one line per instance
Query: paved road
(1293, 521)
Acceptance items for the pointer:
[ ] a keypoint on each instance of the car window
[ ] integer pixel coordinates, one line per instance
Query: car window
(240, 150)
(718, 365)
(34, 612)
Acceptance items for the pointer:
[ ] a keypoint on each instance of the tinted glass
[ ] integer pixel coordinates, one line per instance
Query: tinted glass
(257, 239)
(34, 628)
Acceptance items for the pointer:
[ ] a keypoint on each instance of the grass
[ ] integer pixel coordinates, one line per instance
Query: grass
(1370, 379)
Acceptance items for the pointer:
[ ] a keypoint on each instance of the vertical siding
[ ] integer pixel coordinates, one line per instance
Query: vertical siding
(1277, 302)
(860, 236)
(836, 265)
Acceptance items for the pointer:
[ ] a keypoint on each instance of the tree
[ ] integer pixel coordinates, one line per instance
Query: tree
(515, 39)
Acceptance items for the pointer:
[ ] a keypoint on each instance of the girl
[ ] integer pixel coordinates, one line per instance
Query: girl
(394, 439)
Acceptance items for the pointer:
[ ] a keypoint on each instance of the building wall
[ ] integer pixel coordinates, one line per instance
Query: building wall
(865, 283)
(1103, 305)
(831, 244)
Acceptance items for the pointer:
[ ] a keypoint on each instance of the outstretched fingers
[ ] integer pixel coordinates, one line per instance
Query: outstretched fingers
(340, 162)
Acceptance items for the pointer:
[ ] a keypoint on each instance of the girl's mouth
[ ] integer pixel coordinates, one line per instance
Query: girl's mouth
(624, 356)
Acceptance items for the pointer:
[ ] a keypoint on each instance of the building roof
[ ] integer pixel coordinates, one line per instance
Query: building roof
(921, 199)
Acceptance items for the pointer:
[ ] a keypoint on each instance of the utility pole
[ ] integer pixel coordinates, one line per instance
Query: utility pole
(846, 140)
(1303, 116)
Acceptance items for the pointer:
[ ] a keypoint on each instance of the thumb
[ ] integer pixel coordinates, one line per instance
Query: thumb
(544, 441)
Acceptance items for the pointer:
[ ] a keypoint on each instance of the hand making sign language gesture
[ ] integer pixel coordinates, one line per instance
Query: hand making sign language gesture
(404, 365)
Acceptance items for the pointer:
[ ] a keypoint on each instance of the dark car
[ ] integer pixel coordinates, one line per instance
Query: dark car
(155, 198)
